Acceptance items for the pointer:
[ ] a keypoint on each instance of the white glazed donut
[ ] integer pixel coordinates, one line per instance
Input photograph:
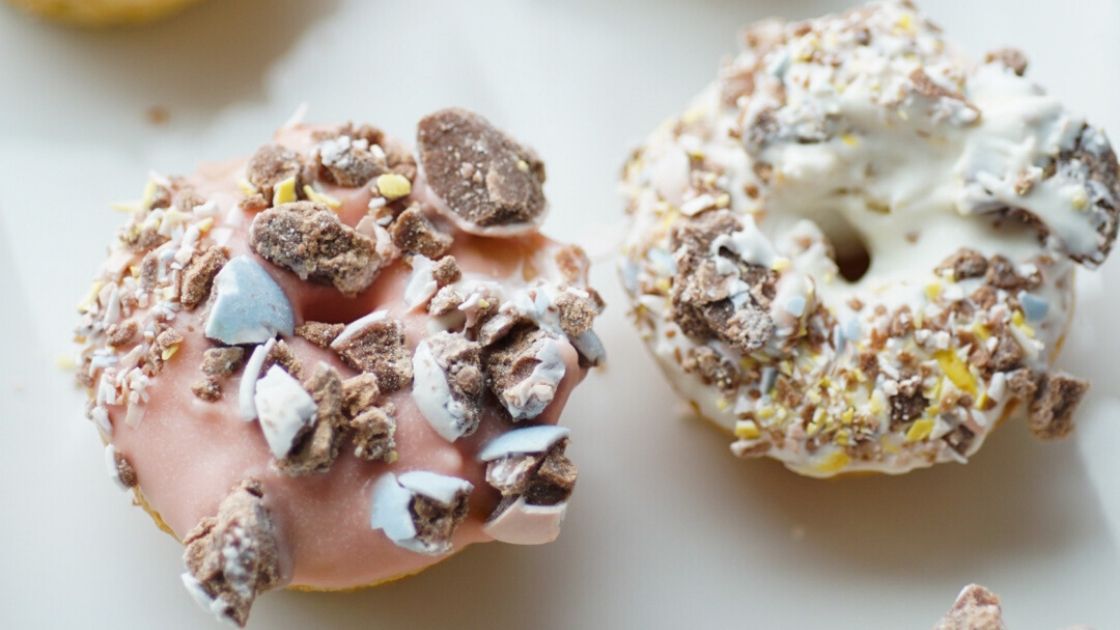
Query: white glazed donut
(856, 249)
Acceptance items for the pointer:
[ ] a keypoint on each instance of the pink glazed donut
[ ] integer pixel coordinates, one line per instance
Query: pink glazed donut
(336, 363)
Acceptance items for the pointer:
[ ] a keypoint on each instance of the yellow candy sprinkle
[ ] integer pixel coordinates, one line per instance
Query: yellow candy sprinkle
(982, 400)
(205, 225)
(843, 437)
(766, 412)
(394, 456)
(65, 362)
(848, 415)
(723, 200)
(169, 351)
(875, 406)
(722, 403)
(247, 188)
(694, 114)
(1080, 199)
(933, 290)
(956, 370)
(127, 208)
(780, 264)
(920, 430)
(1021, 323)
(849, 139)
(90, 297)
(834, 463)
(662, 285)
(981, 331)
(323, 198)
(284, 192)
(149, 194)
(746, 430)
(393, 186)
(906, 23)
(523, 166)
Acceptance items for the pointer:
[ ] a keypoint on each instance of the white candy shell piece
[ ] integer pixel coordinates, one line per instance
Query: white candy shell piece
(248, 386)
(250, 307)
(525, 441)
(392, 495)
(285, 408)
(432, 394)
(422, 284)
(590, 347)
(524, 524)
(528, 398)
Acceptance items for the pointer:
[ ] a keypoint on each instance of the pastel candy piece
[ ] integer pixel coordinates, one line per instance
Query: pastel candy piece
(248, 386)
(284, 407)
(392, 496)
(522, 441)
(250, 307)
(1034, 307)
(525, 524)
(590, 346)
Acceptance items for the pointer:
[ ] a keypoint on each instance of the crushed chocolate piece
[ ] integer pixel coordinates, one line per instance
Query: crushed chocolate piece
(281, 354)
(869, 364)
(319, 333)
(1001, 275)
(498, 326)
(122, 333)
(348, 160)
(149, 271)
(927, 87)
(373, 434)
(712, 367)
(446, 271)
(976, 608)
(511, 362)
(199, 275)
(126, 474)
(1023, 384)
(359, 393)
(965, 263)
(316, 450)
(435, 522)
(909, 403)
(577, 313)
(309, 240)
(217, 363)
(444, 301)
(485, 178)
(379, 348)
(541, 478)
(572, 263)
(1012, 58)
(461, 362)
(1008, 355)
(1051, 411)
(233, 556)
(413, 232)
(985, 297)
(269, 166)
(960, 439)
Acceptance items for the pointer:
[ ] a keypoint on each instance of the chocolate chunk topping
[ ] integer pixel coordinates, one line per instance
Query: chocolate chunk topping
(909, 403)
(542, 478)
(413, 232)
(976, 608)
(379, 348)
(316, 450)
(485, 178)
(126, 474)
(319, 333)
(1012, 58)
(1002, 275)
(511, 361)
(234, 556)
(309, 240)
(435, 522)
(1051, 412)
(577, 312)
(359, 393)
(965, 264)
(282, 355)
(270, 165)
(122, 333)
(351, 161)
(374, 431)
(199, 275)
(217, 364)
(446, 271)
(712, 367)
(461, 362)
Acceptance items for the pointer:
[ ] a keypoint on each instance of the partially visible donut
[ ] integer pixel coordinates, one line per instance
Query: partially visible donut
(103, 12)
(856, 249)
(311, 371)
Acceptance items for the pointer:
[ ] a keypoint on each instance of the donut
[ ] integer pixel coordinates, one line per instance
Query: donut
(339, 361)
(102, 12)
(976, 608)
(855, 250)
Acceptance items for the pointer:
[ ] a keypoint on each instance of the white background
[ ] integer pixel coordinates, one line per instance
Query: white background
(667, 529)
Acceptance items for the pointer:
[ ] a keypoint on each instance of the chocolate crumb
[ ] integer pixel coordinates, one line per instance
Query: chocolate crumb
(235, 555)
(281, 354)
(269, 166)
(217, 363)
(1051, 411)
(965, 263)
(309, 240)
(713, 368)
(444, 301)
(316, 450)
(908, 403)
(1012, 58)
(348, 160)
(511, 361)
(1001, 275)
(379, 348)
(359, 393)
(126, 474)
(413, 232)
(199, 275)
(485, 178)
(577, 312)
(1023, 384)
(319, 333)
(541, 478)
(373, 434)
(976, 608)
(435, 522)
(122, 333)
(446, 271)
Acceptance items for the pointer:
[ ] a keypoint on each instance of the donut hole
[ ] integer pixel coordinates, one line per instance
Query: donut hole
(849, 250)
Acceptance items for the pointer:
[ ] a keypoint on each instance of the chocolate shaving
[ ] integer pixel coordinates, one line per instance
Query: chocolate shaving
(309, 240)
(413, 232)
(199, 275)
(235, 556)
(485, 178)
(319, 333)
(379, 348)
(269, 166)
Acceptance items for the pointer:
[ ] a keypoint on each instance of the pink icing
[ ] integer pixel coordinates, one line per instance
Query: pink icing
(188, 453)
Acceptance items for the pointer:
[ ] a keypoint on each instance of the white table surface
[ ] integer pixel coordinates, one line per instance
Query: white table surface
(667, 529)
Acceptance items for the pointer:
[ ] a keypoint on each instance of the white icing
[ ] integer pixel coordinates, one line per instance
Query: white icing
(536, 439)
